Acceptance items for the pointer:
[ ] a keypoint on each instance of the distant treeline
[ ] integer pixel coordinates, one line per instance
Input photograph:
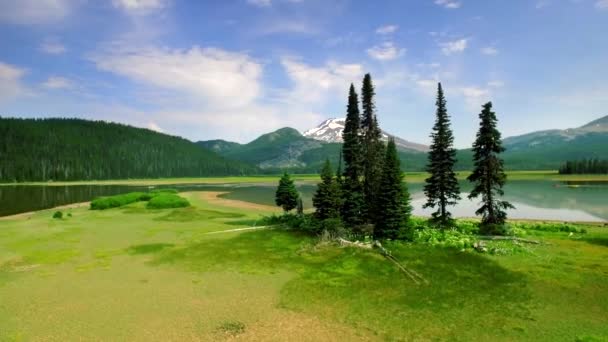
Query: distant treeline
(75, 149)
(584, 166)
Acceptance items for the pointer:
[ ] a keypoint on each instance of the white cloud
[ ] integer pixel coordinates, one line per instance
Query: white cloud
(57, 82)
(140, 6)
(496, 84)
(268, 3)
(475, 96)
(52, 47)
(34, 11)
(385, 51)
(316, 84)
(260, 3)
(490, 51)
(217, 76)
(287, 26)
(10, 82)
(601, 4)
(153, 126)
(387, 29)
(455, 46)
(451, 4)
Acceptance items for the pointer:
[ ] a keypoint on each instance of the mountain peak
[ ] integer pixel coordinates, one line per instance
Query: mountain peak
(330, 130)
(599, 125)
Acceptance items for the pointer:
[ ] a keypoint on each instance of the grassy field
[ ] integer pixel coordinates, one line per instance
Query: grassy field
(415, 177)
(134, 274)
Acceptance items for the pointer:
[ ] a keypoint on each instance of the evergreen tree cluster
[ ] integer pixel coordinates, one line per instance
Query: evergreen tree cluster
(371, 190)
(75, 149)
(584, 166)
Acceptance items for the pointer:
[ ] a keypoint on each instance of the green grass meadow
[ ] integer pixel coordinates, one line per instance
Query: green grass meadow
(135, 274)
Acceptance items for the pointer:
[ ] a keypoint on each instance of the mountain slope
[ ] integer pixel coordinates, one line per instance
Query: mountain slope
(75, 149)
(330, 130)
(286, 148)
(549, 149)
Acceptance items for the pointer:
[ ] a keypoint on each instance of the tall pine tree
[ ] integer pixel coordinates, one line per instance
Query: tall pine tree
(327, 199)
(441, 187)
(373, 149)
(352, 152)
(286, 196)
(488, 176)
(394, 198)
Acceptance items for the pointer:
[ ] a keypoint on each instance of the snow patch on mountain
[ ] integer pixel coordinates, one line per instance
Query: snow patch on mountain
(330, 131)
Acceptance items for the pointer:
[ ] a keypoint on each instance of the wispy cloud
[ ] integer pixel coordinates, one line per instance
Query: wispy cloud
(456, 46)
(387, 29)
(219, 76)
(11, 84)
(489, 50)
(260, 3)
(385, 51)
(451, 4)
(35, 12)
(155, 127)
(601, 4)
(496, 84)
(53, 47)
(140, 7)
(57, 82)
(287, 26)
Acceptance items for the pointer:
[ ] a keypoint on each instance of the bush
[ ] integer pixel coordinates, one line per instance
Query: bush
(103, 203)
(116, 201)
(165, 200)
(444, 238)
(58, 215)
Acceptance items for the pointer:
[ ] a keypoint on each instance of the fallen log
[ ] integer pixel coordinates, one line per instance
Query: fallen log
(413, 275)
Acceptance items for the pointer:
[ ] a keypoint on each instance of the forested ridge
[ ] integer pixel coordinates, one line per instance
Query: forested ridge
(76, 149)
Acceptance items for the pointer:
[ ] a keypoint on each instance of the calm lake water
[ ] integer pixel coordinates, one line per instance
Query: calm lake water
(572, 201)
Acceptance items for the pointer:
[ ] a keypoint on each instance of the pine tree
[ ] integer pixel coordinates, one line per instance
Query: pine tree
(394, 198)
(352, 152)
(327, 200)
(488, 176)
(441, 187)
(373, 149)
(339, 171)
(286, 196)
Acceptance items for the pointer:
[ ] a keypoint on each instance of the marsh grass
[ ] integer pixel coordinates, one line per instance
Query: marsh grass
(193, 214)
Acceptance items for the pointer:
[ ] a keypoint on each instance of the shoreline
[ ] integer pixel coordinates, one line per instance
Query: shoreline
(30, 213)
(414, 177)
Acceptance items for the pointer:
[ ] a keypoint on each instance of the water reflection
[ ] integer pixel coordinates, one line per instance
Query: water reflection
(572, 201)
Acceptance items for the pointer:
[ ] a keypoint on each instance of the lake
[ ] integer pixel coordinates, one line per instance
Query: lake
(543, 200)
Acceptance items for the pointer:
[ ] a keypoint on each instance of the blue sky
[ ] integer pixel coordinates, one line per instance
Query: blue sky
(237, 69)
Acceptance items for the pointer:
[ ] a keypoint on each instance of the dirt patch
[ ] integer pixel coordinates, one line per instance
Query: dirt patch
(292, 326)
(213, 198)
(30, 213)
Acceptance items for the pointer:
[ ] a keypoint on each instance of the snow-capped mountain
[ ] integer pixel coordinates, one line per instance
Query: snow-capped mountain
(330, 130)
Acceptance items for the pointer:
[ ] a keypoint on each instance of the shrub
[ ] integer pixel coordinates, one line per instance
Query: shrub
(58, 215)
(164, 201)
(444, 238)
(116, 201)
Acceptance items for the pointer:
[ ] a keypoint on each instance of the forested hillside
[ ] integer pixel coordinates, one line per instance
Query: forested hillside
(75, 149)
